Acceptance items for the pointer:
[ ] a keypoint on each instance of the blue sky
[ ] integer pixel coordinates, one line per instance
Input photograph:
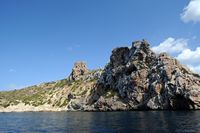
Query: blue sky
(41, 39)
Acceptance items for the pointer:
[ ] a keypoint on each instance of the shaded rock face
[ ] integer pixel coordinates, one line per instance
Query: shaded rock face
(144, 80)
(134, 79)
(79, 70)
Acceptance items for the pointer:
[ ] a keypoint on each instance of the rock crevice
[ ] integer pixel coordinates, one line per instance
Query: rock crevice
(144, 80)
(135, 78)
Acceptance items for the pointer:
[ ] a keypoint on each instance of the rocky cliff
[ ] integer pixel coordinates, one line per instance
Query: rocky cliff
(134, 79)
(140, 79)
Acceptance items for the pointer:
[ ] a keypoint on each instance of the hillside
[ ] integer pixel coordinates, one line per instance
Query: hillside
(134, 79)
(52, 96)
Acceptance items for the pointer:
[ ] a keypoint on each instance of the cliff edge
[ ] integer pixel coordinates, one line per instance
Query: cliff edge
(135, 79)
(142, 80)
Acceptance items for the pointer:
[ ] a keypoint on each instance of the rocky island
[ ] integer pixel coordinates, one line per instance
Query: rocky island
(136, 78)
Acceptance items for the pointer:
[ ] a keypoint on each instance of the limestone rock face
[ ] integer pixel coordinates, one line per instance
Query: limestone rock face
(144, 80)
(79, 70)
(134, 79)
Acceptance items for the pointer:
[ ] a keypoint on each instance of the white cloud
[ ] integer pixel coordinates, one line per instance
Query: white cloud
(191, 12)
(171, 45)
(195, 68)
(180, 49)
(190, 57)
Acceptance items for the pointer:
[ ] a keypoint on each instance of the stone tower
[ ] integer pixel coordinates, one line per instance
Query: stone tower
(78, 71)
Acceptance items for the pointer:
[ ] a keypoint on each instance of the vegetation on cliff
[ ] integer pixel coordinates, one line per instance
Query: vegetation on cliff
(135, 78)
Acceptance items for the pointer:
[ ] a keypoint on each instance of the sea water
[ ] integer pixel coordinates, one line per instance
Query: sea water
(101, 122)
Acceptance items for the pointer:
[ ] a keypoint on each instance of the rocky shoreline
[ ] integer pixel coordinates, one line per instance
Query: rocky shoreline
(28, 108)
(136, 78)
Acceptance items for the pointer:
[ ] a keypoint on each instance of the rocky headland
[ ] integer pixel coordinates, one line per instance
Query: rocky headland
(135, 79)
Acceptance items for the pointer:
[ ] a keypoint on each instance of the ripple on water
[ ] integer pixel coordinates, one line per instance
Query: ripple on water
(138, 121)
